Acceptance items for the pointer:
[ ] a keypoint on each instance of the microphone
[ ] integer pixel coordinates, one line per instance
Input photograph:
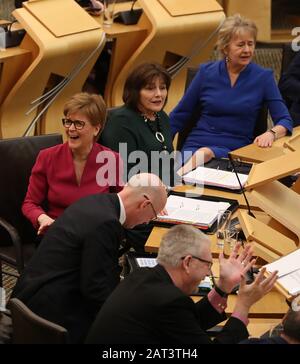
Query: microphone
(129, 17)
(241, 186)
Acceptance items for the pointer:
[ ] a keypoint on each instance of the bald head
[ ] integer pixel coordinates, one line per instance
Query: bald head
(142, 192)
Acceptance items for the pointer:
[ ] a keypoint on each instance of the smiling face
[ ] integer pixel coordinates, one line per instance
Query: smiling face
(153, 96)
(81, 141)
(240, 50)
(198, 269)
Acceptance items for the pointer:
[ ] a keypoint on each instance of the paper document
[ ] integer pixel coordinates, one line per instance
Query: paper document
(288, 271)
(146, 262)
(2, 300)
(192, 211)
(215, 177)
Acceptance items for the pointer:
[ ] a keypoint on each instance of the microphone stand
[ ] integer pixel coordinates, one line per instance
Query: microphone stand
(241, 186)
(129, 17)
(252, 270)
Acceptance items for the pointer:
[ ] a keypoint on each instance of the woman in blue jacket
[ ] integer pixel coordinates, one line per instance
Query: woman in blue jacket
(230, 92)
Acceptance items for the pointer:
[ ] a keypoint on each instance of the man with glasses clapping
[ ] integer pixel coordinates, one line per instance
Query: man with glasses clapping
(152, 305)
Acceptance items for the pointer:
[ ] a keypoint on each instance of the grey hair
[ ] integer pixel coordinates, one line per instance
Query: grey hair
(232, 26)
(179, 241)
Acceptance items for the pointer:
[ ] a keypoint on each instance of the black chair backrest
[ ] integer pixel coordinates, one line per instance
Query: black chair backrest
(288, 55)
(29, 328)
(17, 157)
(260, 127)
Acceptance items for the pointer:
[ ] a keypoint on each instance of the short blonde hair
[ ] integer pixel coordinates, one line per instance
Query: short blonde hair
(91, 105)
(232, 26)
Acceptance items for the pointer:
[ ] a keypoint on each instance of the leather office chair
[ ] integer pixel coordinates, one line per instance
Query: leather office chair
(260, 127)
(287, 56)
(29, 328)
(291, 98)
(17, 235)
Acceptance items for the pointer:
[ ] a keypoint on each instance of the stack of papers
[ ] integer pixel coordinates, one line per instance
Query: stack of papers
(192, 211)
(215, 177)
(288, 272)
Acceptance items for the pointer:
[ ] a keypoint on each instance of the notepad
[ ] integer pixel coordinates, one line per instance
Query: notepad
(192, 211)
(215, 177)
(288, 271)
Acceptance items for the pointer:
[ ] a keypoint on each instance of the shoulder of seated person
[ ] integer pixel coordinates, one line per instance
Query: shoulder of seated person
(121, 112)
(259, 69)
(51, 151)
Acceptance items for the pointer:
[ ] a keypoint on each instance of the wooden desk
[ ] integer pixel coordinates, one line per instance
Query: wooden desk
(154, 239)
(254, 154)
(259, 326)
(13, 63)
(219, 193)
(57, 42)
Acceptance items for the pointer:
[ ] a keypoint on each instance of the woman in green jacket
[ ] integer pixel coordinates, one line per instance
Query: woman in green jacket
(140, 129)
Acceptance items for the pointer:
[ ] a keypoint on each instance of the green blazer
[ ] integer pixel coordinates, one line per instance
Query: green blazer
(125, 125)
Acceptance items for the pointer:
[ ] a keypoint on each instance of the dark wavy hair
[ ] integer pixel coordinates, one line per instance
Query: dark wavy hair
(141, 76)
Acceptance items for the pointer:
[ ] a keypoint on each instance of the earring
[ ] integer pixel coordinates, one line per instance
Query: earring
(227, 59)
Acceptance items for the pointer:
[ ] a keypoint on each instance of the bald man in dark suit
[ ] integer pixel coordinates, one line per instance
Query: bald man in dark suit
(75, 268)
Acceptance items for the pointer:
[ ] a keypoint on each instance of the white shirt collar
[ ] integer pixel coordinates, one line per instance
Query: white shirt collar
(122, 211)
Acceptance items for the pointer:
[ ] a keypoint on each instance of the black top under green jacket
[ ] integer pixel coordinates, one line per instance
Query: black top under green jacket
(125, 125)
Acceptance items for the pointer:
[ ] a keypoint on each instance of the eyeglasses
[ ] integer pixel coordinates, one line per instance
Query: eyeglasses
(154, 212)
(78, 124)
(210, 263)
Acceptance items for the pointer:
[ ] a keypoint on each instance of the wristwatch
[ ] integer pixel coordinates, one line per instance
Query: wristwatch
(273, 132)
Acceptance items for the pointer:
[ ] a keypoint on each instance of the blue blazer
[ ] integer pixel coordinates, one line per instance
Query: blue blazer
(229, 113)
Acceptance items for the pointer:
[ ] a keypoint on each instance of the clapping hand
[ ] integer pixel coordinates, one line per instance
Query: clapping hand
(251, 293)
(233, 269)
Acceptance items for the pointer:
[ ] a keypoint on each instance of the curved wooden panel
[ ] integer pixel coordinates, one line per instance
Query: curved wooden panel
(52, 59)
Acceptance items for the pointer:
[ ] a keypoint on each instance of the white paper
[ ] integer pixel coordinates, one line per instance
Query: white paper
(193, 211)
(288, 271)
(215, 177)
(291, 282)
(286, 264)
(146, 262)
(2, 300)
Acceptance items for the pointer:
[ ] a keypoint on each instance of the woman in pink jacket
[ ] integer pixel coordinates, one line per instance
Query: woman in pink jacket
(66, 172)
